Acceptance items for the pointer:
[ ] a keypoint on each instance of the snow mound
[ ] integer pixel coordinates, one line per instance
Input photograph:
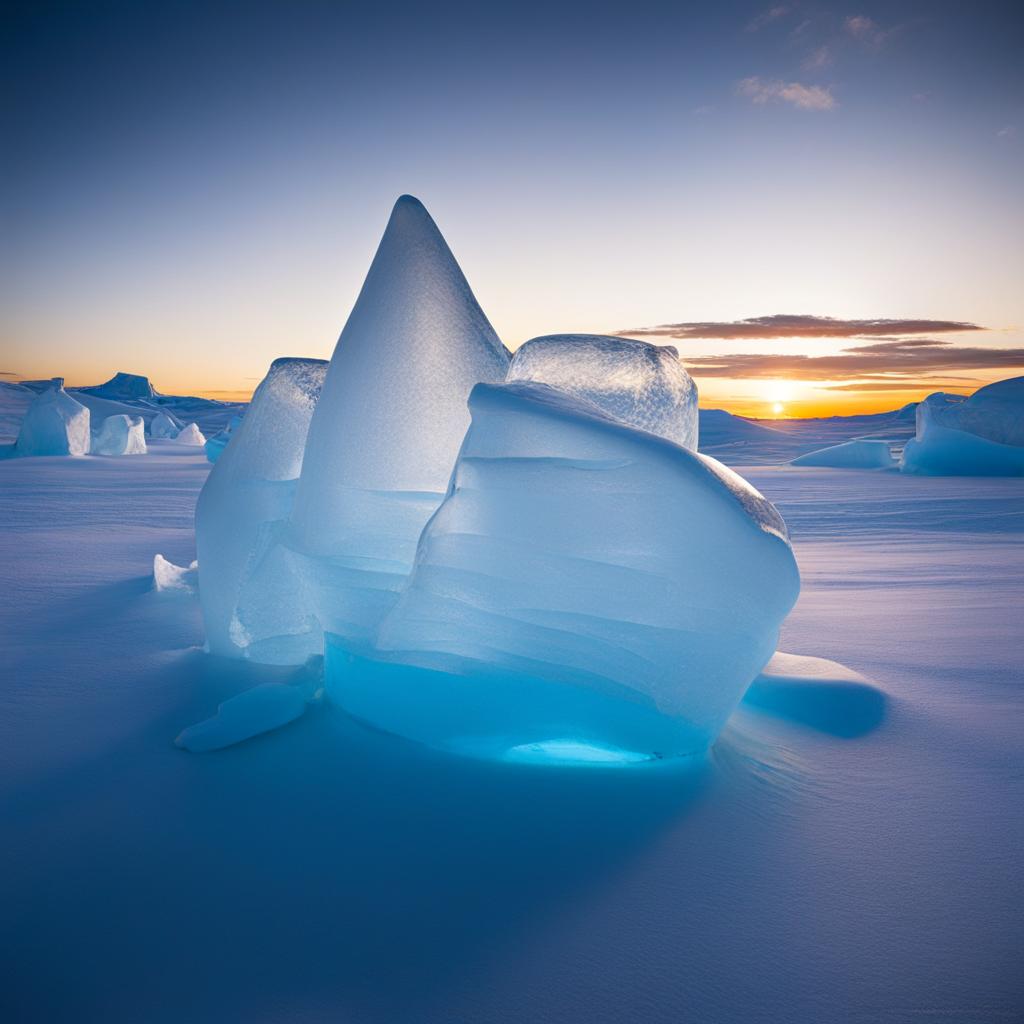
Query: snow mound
(638, 383)
(171, 578)
(583, 582)
(121, 386)
(191, 435)
(248, 714)
(856, 454)
(387, 429)
(120, 435)
(253, 602)
(54, 424)
(164, 424)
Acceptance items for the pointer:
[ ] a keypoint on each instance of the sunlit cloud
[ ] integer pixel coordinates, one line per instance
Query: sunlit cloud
(804, 97)
(865, 30)
(798, 325)
(768, 16)
(885, 362)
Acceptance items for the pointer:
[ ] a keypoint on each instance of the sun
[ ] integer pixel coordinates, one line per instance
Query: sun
(778, 408)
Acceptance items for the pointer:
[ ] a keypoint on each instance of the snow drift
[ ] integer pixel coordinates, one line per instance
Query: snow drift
(54, 424)
(583, 583)
(856, 454)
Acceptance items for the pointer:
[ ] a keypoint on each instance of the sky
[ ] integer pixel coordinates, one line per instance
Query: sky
(820, 205)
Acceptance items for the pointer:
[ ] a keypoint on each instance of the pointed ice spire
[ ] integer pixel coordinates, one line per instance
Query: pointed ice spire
(393, 412)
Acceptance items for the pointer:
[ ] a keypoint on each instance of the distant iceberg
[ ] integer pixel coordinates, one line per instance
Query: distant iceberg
(981, 436)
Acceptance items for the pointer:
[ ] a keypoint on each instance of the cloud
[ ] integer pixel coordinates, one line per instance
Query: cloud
(767, 17)
(798, 325)
(804, 97)
(889, 362)
(865, 30)
(9, 373)
(1007, 131)
(817, 59)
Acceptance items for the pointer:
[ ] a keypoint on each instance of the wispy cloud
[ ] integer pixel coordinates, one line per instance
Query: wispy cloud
(799, 325)
(817, 59)
(8, 373)
(889, 362)
(1007, 131)
(768, 16)
(863, 29)
(804, 97)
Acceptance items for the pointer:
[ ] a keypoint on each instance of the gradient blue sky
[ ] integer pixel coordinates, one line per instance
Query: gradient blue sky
(193, 189)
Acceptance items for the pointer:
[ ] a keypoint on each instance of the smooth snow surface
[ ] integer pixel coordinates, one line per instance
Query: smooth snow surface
(164, 424)
(254, 602)
(532, 614)
(327, 873)
(858, 454)
(54, 424)
(191, 435)
(640, 384)
(393, 413)
(120, 435)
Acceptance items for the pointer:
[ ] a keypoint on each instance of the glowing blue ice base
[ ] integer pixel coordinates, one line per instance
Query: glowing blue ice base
(507, 716)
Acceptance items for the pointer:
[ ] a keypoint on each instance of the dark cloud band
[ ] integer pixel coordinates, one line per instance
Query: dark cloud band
(798, 325)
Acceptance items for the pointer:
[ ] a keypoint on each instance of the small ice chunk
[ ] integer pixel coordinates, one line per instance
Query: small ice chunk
(164, 424)
(54, 424)
(171, 578)
(638, 383)
(857, 454)
(248, 714)
(191, 435)
(120, 435)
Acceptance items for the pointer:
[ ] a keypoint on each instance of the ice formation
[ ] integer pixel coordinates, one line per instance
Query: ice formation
(215, 445)
(191, 435)
(857, 454)
(387, 429)
(171, 578)
(164, 424)
(638, 383)
(254, 604)
(981, 436)
(54, 424)
(584, 586)
(120, 435)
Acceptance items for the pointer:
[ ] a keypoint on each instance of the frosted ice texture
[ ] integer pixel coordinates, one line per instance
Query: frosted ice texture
(994, 412)
(254, 604)
(638, 383)
(120, 435)
(584, 583)
(190, 434)
(393, 413)
(857, 454)
(54, 424)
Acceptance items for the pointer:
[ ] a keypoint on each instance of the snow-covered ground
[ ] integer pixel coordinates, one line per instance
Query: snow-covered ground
(847, 853)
